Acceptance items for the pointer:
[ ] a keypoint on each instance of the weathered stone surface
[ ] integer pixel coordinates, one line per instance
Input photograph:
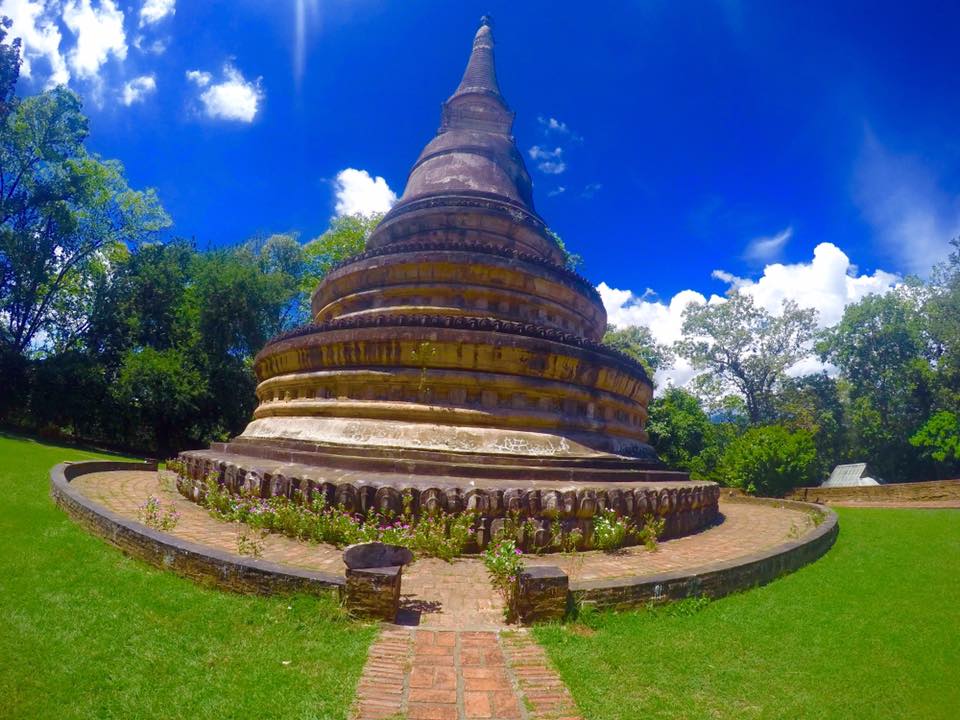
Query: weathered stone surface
(375, 555)
(542, 594)
(373, 592)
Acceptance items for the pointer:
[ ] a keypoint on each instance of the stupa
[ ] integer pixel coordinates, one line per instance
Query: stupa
(458, 358)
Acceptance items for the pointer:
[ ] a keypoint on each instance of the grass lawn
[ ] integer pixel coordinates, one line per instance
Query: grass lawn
(871, 630)
(86, 632)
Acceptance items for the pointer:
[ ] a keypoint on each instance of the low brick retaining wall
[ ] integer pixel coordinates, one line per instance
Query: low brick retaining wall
(202, 564)
(933, 491)
(716, 579)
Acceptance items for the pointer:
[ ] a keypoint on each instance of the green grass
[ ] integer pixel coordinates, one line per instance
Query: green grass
(871, 630)
(86, 632)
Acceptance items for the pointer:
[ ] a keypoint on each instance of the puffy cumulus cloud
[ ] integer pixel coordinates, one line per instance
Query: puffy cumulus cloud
(828, 283)
(40, 36)
(765, 249)
(907, 206)
(358, 192)
(548, 161)
(232, 98)
(136, 90)
(99, 33)
(153, 11)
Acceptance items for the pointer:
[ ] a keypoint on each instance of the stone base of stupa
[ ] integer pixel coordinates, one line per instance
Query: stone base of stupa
(542, 489)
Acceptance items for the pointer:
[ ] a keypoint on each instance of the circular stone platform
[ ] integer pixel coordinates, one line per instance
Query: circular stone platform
(754, 541)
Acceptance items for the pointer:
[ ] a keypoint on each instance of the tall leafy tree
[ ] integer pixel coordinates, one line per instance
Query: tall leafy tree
(815, 403)
(63, 215)
(9, 68)
(883, 349)
(679, 428)
(745, 349)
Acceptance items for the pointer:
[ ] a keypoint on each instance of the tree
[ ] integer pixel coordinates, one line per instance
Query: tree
(679, 428)
(815, 403)
(160, 391)
(940, 437)
(347, 236)
(769, 460)
(745, 348)
(62, 215)
(942, 310)
(9, 69)
(883, 348)
(638, 343)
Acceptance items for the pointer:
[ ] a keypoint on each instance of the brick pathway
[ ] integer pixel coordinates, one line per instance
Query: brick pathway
(124, 492)
(460, 675)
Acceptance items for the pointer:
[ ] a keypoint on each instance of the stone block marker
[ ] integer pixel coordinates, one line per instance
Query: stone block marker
(374, 573)
(543, 594)
(373, 592)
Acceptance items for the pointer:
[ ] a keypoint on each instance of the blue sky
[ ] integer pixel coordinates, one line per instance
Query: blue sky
(681, 147)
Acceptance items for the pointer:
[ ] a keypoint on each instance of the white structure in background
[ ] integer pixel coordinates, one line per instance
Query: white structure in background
(853, 475)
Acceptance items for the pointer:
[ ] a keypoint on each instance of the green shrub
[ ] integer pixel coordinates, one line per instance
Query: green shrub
(610, 532)
(504, 563)
(769, 460)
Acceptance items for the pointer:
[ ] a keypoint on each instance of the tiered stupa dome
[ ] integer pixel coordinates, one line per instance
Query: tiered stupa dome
(459, 355)
(460, 328)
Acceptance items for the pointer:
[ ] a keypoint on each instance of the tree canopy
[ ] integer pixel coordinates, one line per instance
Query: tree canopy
(746, 349)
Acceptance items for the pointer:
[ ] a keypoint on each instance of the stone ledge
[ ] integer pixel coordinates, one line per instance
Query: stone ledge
(200, 563)
(932, 491)
(716, 579)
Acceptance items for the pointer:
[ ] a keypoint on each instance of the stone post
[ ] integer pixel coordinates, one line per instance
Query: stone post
(374, 592)
(542, 594)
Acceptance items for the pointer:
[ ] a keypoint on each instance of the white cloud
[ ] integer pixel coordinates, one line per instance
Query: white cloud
(550, 125)
(548, 161)
(358, 192)
(40, 37)
(201, 78)
(153, 11)
(137, 89)
(99, 32)
(233, 98)
(828, 283)
(765, 249)
(559, 190)
(912, 215)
